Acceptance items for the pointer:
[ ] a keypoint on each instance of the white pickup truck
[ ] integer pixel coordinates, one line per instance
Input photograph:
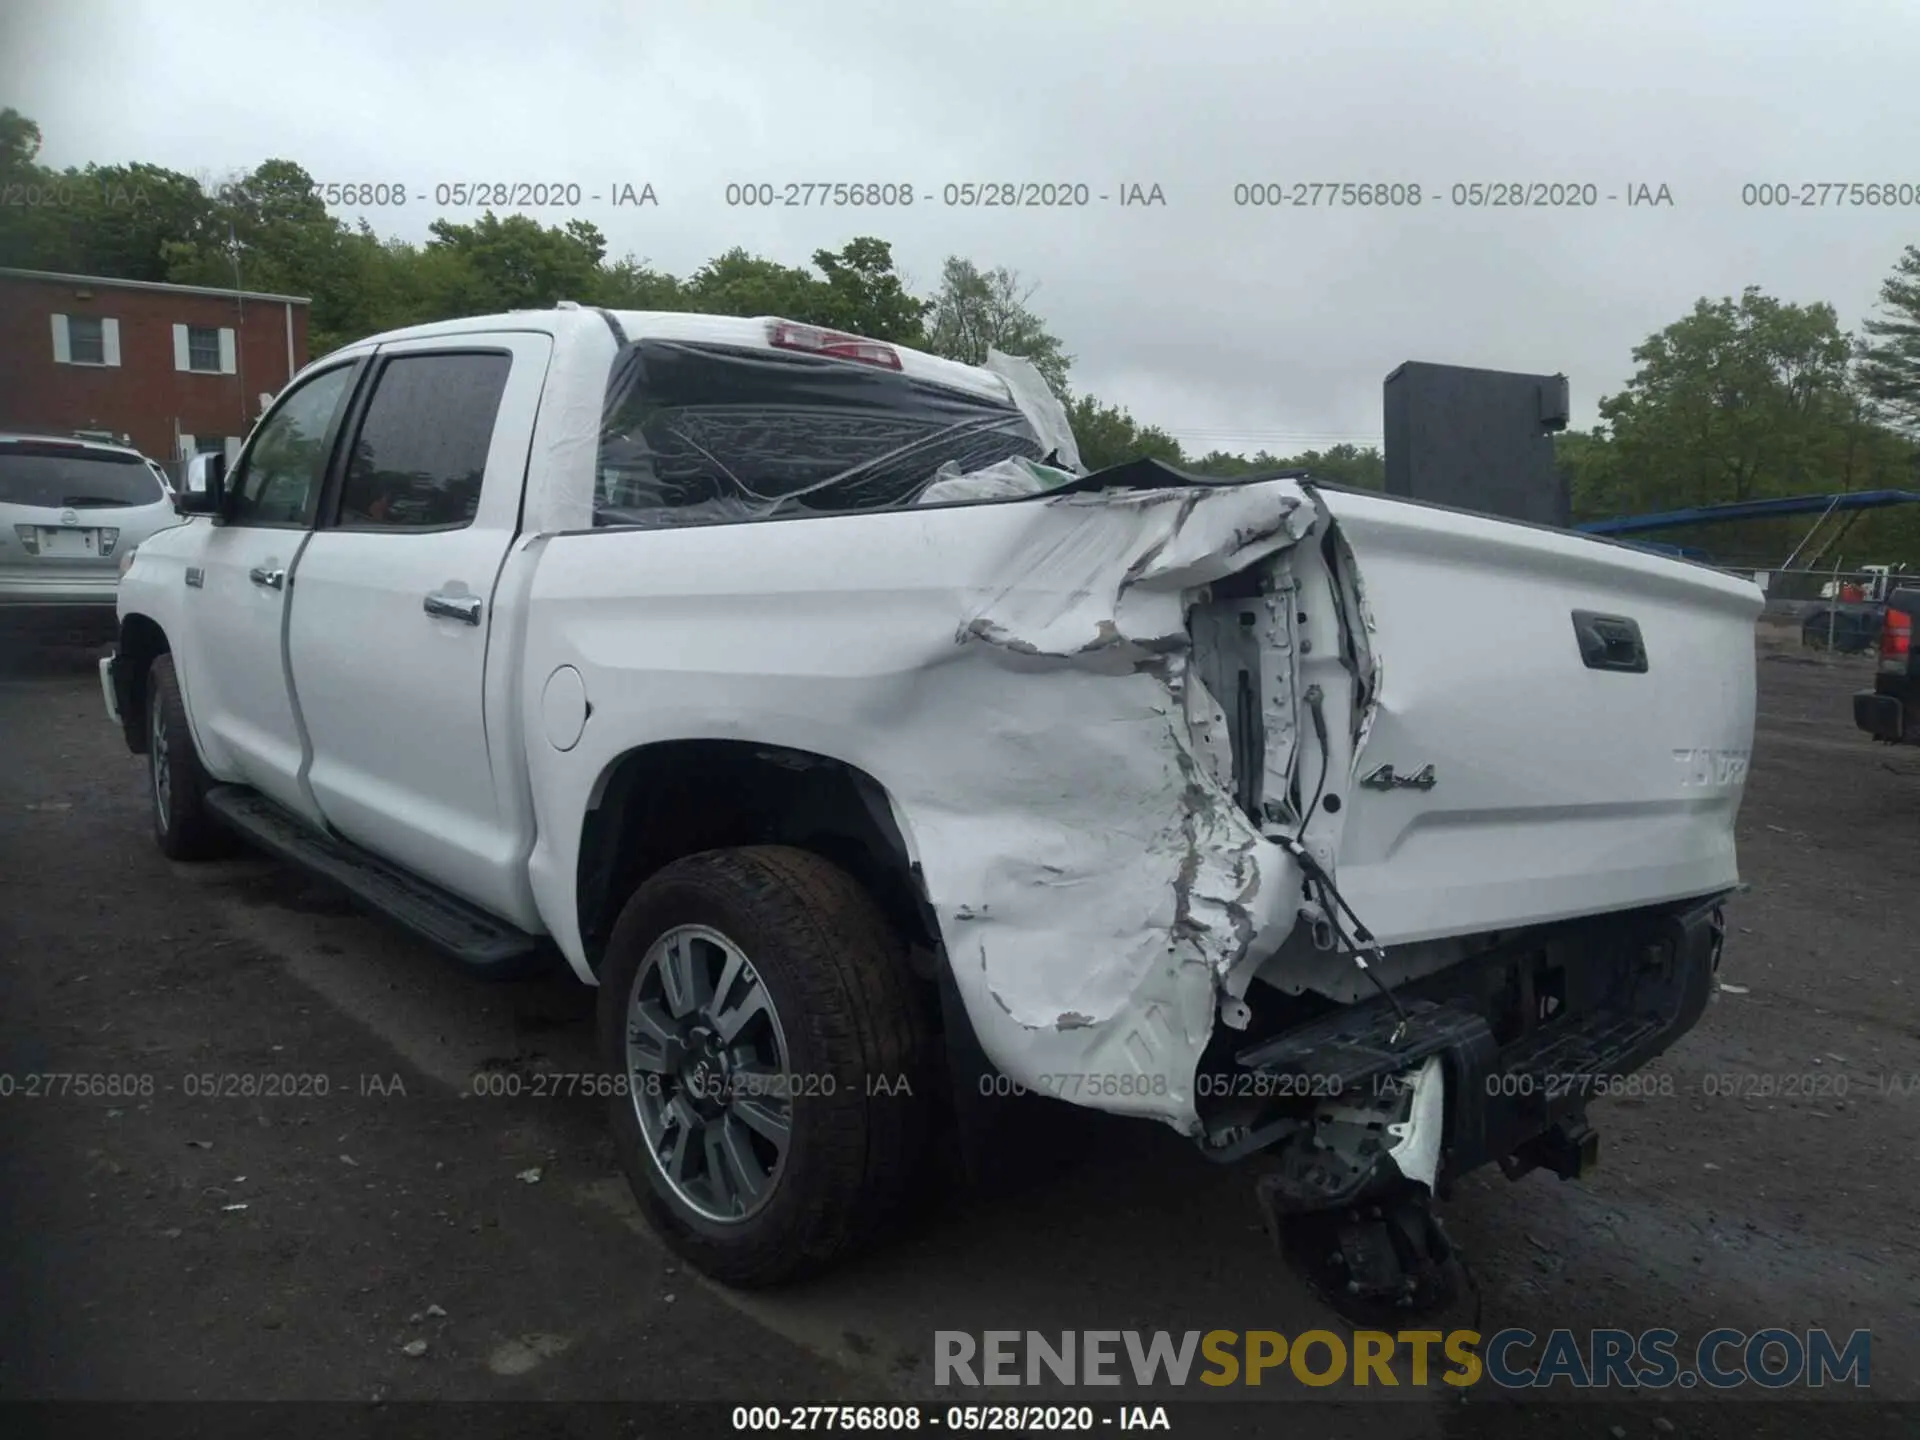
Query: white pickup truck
(736, 662)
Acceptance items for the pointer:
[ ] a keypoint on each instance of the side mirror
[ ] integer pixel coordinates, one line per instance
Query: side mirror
(206, 486)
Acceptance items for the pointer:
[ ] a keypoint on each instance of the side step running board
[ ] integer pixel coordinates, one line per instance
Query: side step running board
(470, 935)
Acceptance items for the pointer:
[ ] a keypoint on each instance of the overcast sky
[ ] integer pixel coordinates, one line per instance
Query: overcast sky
(1231, 326)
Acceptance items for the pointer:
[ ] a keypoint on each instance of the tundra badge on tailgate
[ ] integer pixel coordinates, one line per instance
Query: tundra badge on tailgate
(1712, 767)
(1384, 778)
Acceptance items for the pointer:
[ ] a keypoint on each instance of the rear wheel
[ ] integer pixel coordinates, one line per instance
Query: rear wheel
(183, 827)
(771, 1048)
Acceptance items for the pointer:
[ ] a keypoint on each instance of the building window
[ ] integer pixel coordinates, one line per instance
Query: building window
(203, 348)
(86, 340)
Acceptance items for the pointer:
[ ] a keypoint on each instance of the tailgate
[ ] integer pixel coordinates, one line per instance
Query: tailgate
(1586, 709)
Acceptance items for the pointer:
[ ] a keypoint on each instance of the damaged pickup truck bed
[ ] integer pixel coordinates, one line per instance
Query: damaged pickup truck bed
(807, 696)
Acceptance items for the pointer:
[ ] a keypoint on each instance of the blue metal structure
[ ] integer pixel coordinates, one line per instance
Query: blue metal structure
(1846, 625)
(1750, 510)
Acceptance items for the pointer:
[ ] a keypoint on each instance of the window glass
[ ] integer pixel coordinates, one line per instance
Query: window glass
(285, 463)
(696, 434)
(422, 448)
(65, 477)
(203, 347)
(86, 340)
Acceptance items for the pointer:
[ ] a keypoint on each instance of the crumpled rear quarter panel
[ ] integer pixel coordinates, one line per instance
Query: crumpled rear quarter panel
(1015, 675)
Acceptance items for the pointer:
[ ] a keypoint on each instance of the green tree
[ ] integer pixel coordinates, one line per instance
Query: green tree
(111, 220)
(516, 263)
(393, 284)
(976, 310)
(739, 283)
(269, 230)
(1108, 435)
(1588, 462)
(1362, 467)
(138, 212)
(1227, 463)
(867, 296)
(630, 284)
(1737, 400)
(20, 141)
(272, 224)
(1889, 361)
(857, 290)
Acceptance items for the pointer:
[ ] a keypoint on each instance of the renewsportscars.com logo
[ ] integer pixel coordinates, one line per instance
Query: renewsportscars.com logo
(1774, 1359)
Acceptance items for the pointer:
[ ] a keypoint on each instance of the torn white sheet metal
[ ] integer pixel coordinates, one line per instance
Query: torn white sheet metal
(1015, 677)
(1099, 891)
(1037, 401)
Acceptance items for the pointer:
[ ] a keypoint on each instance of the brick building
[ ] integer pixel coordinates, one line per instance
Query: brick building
(170, 369)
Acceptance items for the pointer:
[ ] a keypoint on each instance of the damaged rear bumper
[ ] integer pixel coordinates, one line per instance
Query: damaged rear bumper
(1520, 1100)
(1187, 699)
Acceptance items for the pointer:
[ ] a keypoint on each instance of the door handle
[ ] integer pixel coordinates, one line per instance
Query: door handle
(272, 579)
(465, 608)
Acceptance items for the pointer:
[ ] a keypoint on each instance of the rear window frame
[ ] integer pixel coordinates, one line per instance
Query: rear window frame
(999, 414)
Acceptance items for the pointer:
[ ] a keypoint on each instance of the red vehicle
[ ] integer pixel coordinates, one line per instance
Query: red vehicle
(1890, 711)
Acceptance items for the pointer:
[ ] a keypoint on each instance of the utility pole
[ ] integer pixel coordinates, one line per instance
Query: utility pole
(239, 332)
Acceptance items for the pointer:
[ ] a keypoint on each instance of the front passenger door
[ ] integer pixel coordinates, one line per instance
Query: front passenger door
(236, 681)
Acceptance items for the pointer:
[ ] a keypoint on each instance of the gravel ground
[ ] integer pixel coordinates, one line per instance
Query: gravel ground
(400, 1238)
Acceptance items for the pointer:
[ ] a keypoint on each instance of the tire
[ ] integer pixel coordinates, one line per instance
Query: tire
(183, 827)
(851, 1031)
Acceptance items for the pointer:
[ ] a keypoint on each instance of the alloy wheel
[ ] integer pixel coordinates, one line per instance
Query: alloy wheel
(158, 762)
(707, 1073)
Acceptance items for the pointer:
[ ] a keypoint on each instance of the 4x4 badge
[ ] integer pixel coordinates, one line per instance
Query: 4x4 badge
(1384, 778)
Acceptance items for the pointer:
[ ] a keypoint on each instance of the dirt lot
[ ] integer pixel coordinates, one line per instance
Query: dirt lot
(171, 1244)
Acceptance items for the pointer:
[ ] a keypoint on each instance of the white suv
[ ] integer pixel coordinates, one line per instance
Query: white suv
(70, 512)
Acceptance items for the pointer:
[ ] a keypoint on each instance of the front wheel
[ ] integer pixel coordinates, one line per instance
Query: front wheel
(772, 1052)
(183, 827)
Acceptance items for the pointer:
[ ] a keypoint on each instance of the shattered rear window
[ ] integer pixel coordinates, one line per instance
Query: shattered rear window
(703, 434)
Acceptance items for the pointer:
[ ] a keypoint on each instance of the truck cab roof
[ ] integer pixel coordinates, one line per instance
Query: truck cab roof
(740, 332)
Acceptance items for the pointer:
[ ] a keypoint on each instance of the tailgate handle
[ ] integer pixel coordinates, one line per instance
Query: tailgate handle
(1610, 642)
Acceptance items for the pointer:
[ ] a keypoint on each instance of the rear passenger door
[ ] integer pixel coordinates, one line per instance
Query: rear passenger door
(391, 622)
